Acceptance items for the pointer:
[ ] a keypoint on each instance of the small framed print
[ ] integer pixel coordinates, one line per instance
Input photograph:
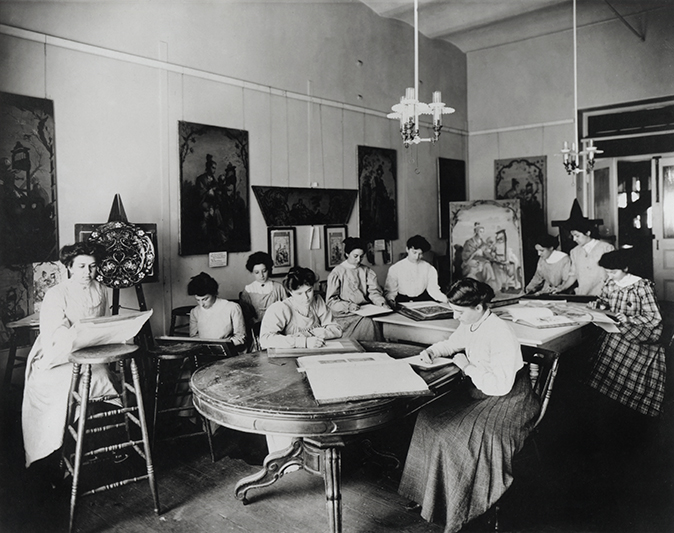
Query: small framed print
(334, 245)
(282, 247)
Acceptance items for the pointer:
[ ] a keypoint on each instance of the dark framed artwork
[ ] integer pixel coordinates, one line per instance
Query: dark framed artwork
(451, 188)
(214, 178)
(303, 206)
(377, 177)
(28, 208)
(334, 245)
(485, 238)
(83, 233)
(282, 247)
(524, 178)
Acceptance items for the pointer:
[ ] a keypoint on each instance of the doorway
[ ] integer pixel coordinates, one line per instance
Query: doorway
(635, 216)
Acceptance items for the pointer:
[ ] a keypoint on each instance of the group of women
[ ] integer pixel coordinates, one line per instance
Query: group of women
(460, 457)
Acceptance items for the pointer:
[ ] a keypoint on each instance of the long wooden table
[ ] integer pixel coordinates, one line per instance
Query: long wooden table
(256, 394)
(399, 328)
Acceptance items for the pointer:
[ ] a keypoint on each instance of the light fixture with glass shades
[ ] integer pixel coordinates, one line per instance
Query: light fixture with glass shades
(581, 156)
(409, 108)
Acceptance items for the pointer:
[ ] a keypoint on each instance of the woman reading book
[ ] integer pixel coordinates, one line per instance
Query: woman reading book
(48, 371)
(460, 458)
(351, 285)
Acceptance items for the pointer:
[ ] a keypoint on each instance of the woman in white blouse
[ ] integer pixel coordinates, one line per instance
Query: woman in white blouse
(553, 271)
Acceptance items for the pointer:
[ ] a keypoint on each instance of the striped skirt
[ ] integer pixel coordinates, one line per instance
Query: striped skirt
(460, 459)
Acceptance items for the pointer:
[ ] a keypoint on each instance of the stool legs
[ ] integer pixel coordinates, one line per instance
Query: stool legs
(80, 394)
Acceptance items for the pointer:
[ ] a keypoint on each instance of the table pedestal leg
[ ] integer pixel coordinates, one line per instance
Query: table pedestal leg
(319, 456)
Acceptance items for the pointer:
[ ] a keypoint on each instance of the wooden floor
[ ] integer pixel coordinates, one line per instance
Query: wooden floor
(575, 487)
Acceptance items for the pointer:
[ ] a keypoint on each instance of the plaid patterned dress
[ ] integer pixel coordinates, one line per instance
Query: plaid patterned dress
(630, 366)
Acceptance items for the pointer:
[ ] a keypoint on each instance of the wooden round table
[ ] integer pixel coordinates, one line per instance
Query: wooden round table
(256, 394)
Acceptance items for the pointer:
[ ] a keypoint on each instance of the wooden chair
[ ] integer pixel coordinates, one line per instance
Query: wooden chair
(78, 420)
(180, 321)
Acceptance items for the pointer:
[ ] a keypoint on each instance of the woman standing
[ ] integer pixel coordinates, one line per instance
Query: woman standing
(553, 270)
(460, 458)
(630, 365)
(302, 320)
(48, 371)
(213, 317)
(350, 285)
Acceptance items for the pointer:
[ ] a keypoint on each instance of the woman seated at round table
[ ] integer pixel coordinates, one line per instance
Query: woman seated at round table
(460, 458)
(48, 371)
(302, 320)
(553, 271)
(258, 295)
(213, 317)
(350, 285)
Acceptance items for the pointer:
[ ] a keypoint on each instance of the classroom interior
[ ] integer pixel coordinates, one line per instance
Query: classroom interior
(310, 82)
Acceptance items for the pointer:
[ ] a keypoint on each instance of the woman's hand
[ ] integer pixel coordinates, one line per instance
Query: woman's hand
(353, 307)
(622, 317)
(315, 342)
(427, 356)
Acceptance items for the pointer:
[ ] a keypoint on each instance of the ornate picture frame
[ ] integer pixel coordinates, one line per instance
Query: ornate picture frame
(333, 237)
(485, 238)
(282, 247)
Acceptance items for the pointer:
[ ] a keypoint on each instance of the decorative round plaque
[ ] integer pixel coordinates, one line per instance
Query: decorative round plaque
(129, 254)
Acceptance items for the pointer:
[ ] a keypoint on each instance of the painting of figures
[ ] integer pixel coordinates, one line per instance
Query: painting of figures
(28, 223)
(486, 244)
(377, 169)
(524, 178)
(214, 213)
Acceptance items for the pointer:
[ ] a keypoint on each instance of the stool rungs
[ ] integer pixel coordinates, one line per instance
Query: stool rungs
(175, 409)
(100, 429)
(115, 485)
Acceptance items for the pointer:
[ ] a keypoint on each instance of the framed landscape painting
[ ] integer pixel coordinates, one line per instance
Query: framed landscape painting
(485, 238)
(334, 245)
(377, 176)
(282, 246)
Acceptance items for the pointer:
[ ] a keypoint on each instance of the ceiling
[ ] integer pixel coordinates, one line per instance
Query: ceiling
(477, 24)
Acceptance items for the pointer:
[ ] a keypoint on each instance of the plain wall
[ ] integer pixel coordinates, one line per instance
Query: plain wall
(122, 75)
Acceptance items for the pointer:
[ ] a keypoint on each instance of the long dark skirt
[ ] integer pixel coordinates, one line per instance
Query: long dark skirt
(460, 459)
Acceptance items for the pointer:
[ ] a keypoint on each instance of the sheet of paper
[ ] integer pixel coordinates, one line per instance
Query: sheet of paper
(340, 383)
(604, 322)
(417, 362)
(373, 310)
(114, 329)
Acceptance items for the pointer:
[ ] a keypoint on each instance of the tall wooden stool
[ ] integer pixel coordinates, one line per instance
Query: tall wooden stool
(125, 355)
(174, 363)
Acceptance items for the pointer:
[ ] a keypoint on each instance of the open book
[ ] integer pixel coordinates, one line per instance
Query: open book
(539, 317)
(425, 310)
(331, 346)
(361, 376)
(114, 329)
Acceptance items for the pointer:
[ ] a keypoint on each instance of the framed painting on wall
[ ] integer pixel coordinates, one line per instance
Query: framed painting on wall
(28, 209)
(334, 245)
(485, 238)
(214, 208)
(524, 178)
(377, 176)
(282, 247)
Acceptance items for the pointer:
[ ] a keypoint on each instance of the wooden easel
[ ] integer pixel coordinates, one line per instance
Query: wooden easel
(145, 338)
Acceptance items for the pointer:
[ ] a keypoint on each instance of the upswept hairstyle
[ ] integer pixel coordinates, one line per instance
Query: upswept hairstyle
(584, 226)
(418, 242)
(201, 285)
(547, 241)
(298, 277)
(469, 292)
(259, 258)
(353, 243)
(70, 251)
(617, 259)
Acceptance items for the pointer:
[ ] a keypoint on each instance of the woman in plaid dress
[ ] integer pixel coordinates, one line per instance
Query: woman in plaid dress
(630, 366)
